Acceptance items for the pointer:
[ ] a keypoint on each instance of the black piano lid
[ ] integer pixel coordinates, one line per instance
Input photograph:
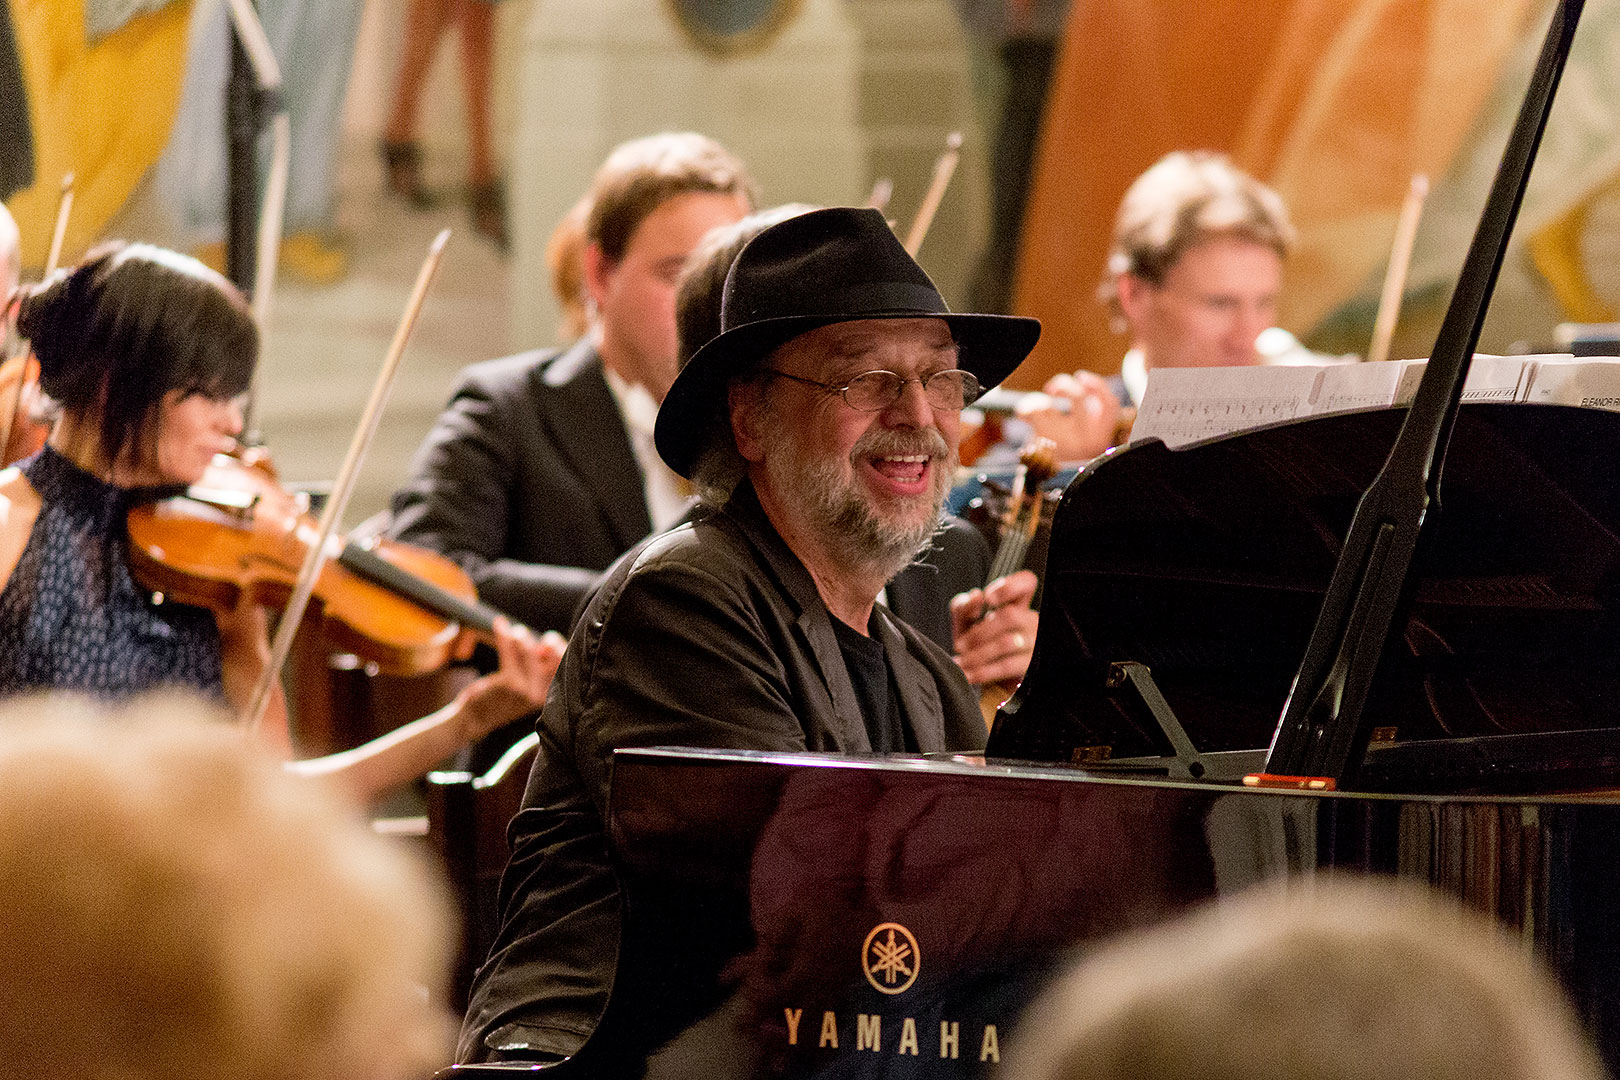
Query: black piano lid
(1208, 564)
(1483, 626)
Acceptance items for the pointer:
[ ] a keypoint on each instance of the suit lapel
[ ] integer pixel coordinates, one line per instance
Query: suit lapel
(591, 437)
(812, 620)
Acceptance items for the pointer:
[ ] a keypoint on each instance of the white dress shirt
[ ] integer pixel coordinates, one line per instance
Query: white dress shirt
(665, 491)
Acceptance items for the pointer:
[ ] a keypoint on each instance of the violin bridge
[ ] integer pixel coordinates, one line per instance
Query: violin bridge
(240, 503)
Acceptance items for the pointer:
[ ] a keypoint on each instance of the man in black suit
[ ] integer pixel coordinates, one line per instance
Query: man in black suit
(541, 471)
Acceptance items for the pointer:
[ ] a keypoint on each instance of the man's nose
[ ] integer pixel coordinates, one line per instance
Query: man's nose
(1250, 324)
(911, 407)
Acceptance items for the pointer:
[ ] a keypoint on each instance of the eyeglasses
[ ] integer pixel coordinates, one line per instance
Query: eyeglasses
(874, 391)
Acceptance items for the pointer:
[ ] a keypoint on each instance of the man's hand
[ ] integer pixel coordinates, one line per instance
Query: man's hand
(1087, 428)
(518, 687)
(994, 629)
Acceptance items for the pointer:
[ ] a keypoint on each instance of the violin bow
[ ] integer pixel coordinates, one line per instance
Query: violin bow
(1400, 260)
(342, 487)
(944, 169)
(882, 191)
(30, 371)
(267, 73)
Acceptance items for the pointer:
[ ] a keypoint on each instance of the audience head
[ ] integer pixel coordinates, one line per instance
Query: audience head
(650, 203)
(177, 907)
(1341, 981)
(703, 278)
(1196, 262)
(147, 349)
(835, 386)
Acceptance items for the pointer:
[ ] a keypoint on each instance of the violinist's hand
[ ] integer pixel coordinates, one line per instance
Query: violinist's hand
(1087, 428)
(518, 687)
(244, 637)
(994, 629)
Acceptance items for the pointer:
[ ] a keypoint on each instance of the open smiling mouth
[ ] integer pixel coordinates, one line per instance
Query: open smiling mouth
(903, 469)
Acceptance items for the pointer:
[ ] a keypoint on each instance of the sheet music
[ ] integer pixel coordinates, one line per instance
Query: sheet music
(1592, 382)
(1184, 405)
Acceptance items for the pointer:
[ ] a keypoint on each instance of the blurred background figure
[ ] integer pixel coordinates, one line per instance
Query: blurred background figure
(179, 908)
(1348, 981)
(425, 26)
(1012, 46)
(314, 43)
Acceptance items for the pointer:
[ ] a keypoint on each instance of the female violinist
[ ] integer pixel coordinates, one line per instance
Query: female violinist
(146, 353)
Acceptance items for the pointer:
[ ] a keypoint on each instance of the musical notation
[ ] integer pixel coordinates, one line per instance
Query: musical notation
(1186, 405)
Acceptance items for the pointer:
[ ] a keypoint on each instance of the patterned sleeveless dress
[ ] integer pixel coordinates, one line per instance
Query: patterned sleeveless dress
(72, 617)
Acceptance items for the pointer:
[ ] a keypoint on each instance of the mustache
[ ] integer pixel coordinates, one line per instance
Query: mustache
(899, 442)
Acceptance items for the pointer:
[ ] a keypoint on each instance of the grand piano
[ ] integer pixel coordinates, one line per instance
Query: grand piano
(1455, 719)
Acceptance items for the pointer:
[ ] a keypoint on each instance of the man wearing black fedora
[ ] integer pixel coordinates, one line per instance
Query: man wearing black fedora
(822, 425)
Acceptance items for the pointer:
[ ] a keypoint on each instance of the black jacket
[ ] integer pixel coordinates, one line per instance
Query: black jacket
(712, 635)
(528, 481)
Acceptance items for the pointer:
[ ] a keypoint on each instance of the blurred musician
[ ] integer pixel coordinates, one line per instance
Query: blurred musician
(541, 471)
(146, 353)
(1194, 273)
(989, 628)
(821, 425)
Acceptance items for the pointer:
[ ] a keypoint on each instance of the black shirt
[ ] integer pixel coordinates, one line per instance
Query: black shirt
(874, 688)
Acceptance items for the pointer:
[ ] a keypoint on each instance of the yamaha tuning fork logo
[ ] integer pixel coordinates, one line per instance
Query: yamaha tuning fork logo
(890, 958)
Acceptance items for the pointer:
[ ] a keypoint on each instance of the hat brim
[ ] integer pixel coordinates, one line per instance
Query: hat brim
(991, 347)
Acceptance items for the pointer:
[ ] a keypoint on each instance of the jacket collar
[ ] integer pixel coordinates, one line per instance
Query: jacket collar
(920, 704)
(581, 409)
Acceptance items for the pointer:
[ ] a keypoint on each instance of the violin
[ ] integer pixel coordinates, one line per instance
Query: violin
(996, 406)
(1026, 515)
(237, 533)
(24, 433)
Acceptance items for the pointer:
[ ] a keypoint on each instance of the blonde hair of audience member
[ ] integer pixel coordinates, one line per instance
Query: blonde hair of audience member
(1344, 981)
(179, 908)
(565, 259)
(1186, 198)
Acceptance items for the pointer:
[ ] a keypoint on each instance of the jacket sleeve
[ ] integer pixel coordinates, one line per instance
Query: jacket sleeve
(458, 501)
(685, 661)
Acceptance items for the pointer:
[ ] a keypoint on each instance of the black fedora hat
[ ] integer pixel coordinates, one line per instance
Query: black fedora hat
(826, 266)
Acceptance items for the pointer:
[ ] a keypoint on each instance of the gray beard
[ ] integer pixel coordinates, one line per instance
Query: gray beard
(846, 520)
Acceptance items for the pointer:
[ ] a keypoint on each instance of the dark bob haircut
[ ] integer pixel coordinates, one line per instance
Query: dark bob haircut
(129, 325)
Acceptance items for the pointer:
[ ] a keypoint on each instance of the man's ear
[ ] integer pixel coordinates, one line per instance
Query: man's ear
(597, 269)
(1133, 293)
(746, 402)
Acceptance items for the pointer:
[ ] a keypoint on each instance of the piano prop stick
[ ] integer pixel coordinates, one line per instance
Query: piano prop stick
(1400, 261)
